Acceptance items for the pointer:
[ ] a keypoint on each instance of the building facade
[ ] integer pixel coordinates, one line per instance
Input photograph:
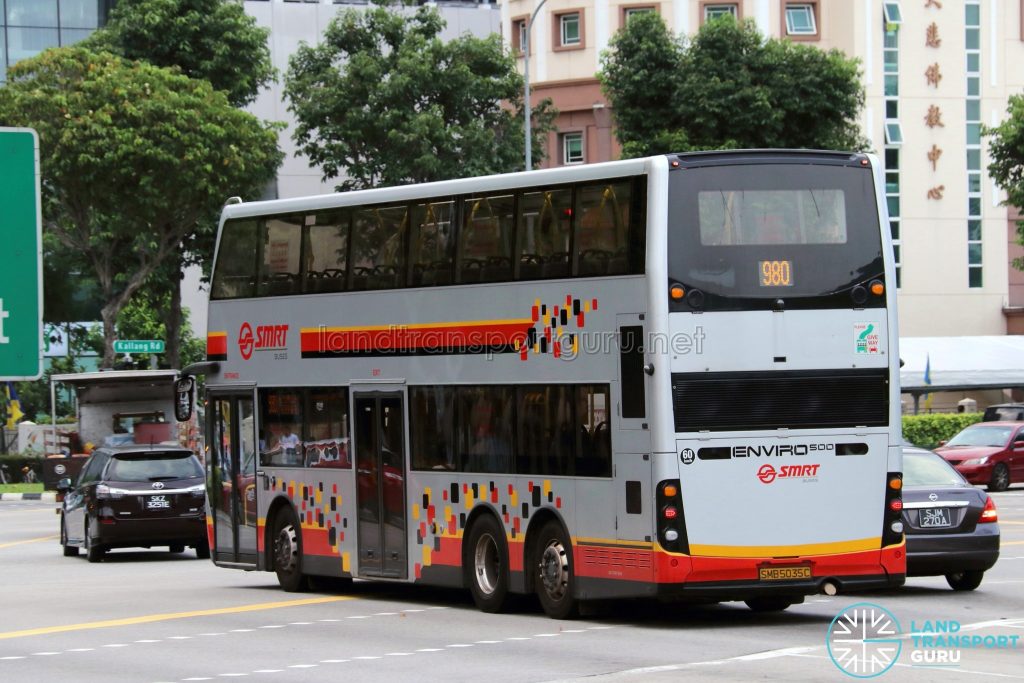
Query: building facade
(935, 72)
(27, 27)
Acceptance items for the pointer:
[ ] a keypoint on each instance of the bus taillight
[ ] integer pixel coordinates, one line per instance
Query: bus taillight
(671, 525)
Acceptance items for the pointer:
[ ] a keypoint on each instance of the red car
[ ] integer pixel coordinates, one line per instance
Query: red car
(988, 453)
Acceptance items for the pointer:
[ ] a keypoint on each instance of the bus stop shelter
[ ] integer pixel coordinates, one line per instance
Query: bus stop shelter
(934, 364)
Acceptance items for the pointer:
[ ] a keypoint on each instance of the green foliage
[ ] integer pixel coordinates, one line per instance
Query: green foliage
(133, 157)
(1006, 150)
(142, 318)
(385, 101)
(729, 88)
(21, 488)
(928, 430)
(213, 40)
(34, 397)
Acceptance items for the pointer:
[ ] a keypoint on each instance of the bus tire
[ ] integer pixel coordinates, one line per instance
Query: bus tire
(554, 579)
(486, 565)
(287, 552)
(69, 550)
(769, 604)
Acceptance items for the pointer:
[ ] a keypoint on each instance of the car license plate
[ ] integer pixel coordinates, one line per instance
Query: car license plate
(158, 503)
(783, 573)
(930, 518)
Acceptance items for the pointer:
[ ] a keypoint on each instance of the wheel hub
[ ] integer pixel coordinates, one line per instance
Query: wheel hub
(486, 564)
(554, 570)
(287, 550)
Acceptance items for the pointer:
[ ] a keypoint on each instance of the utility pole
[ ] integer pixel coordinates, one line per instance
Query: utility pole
(526, 81)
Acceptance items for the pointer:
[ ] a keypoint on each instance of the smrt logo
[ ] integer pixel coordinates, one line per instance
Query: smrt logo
(267, 338)
(245, 341)
(767, 473)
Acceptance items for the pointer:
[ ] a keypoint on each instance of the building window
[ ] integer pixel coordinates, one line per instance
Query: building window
(893, 133)
(572, 148)
(718, 10)
(519, 36)
(569, 29)
(893, 14)
(801, 19)
(973, 106)
(632, 11)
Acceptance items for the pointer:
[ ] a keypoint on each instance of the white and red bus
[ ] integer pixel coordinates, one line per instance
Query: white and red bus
(673, 376)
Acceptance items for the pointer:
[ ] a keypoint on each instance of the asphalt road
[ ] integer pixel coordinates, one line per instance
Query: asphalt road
(149, 616)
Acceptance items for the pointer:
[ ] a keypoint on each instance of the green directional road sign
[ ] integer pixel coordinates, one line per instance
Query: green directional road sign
(139, 346)
(21, 256)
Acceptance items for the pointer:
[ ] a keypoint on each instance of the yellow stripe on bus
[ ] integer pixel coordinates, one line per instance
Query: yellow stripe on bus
(833, 548)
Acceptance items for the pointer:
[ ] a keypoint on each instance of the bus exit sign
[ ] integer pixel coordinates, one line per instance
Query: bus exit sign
(21, 279)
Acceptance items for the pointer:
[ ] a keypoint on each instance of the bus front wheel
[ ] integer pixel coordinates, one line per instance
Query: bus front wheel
(554, 578)
(287, 552)
(487, 565)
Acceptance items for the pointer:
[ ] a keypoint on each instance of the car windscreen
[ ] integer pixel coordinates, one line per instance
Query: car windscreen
(928, 469)
(153, 467)
(744, 235)
(981, 436)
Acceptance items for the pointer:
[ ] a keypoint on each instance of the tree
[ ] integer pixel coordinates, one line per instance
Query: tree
(141, 318)
(1006, 149)
(133, 157)
(385, 101)
(210, 39)
(728, 88)
(213, 40)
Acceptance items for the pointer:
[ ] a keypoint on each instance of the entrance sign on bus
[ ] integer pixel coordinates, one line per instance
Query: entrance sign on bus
(21, 284)
(139, 346)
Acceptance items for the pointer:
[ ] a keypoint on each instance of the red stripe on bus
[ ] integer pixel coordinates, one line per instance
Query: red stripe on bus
(401, 338)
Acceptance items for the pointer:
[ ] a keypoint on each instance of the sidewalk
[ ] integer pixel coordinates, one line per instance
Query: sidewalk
(46, 496)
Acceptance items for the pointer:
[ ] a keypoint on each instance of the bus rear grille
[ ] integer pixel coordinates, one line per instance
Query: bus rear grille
(614, 557)
(772, 400)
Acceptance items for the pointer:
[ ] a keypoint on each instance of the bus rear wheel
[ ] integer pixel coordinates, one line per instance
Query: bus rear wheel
(287, 552)
(486, 565)
(554, 578)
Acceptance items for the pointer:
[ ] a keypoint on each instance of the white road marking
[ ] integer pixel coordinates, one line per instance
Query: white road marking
(302, 666)
(333, 661)
(47, 654)
(147, 641)
(366, 657)
(459, 645)
(179, 638)
(430, 649)
(398, 654)
(9, 658)
(299, 623)
(487, 642)
(329, 620)
(237, 630)
(117, 645)
(211, 634)
(268, 671)
(82, 649)
(544, 635)
(517, 638)
(274, 626)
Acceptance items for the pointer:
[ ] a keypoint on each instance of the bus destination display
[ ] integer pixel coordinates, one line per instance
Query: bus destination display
(776, 273)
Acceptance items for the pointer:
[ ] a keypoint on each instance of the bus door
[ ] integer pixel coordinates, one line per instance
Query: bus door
(379, 432)
(231, 476)
(632, 441)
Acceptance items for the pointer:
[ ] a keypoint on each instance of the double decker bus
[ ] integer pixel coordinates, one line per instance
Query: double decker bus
(672, 377)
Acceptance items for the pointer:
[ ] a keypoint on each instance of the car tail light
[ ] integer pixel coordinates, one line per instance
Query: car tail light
(989, 513)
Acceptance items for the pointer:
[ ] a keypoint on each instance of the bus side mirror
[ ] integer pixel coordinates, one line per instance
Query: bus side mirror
(184, 399)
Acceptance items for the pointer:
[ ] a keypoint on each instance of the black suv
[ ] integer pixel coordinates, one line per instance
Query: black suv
(135, 496)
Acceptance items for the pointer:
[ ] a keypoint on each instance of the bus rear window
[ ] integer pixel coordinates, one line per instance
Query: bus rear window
(738, 217)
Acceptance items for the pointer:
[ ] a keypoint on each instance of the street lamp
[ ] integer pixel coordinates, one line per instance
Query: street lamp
(526, 81)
